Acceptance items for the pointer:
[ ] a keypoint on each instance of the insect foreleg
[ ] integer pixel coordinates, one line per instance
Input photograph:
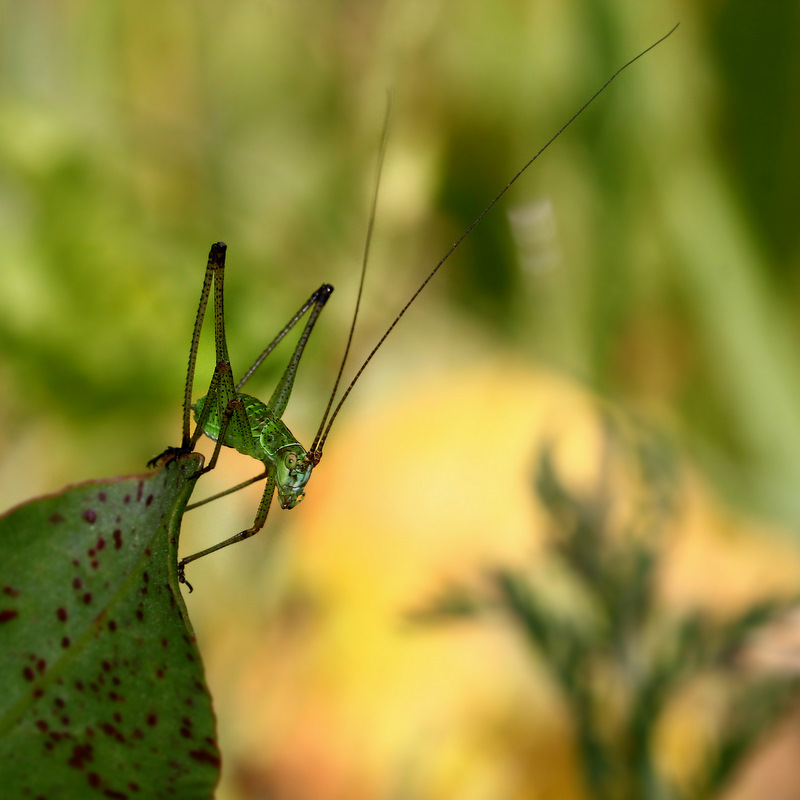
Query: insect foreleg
(258, 524)
(242, 485)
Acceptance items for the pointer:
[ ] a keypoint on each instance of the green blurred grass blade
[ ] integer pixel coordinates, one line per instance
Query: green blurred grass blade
(103, 688)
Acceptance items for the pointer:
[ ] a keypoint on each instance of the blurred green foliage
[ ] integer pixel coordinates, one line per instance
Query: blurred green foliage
(651, 252)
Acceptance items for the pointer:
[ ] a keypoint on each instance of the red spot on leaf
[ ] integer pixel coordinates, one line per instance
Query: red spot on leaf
(90, 516)
(149, 500)
(77, 583)
(56, 518)
(87, 598)
(204, 757)
(61, 613)
(101, 497)
(42, 725)
(152, 720)
(28, 674)
(11, 591)
(81, 753)
(7, 614)
(118, 539)
(112, 626)
(94, 779)
(101, 543)
(65, 642)
(110, 730)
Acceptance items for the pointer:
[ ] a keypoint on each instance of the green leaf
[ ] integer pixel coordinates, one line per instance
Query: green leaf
(103, 687)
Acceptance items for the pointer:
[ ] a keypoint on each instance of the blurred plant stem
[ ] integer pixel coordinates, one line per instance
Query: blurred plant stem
(619, 656)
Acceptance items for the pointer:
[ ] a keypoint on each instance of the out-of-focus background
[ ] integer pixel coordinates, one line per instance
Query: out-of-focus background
(649, 259)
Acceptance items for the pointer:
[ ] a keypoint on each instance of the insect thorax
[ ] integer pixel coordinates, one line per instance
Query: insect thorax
(267, 439)
(266, 435)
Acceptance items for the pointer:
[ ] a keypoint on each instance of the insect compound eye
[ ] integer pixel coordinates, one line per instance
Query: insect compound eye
(290, 460)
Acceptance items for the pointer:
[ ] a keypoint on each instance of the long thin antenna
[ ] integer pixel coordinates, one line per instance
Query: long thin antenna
(370, 226)
(319, 441)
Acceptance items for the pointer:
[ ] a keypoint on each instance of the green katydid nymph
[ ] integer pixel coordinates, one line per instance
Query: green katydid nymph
(254, 428)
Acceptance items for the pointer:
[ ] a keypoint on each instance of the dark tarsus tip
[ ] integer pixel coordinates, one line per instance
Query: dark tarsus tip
(217, 254)
(182, 577)
(167, 457)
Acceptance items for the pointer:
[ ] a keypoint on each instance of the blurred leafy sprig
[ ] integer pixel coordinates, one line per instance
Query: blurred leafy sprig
(619, 656)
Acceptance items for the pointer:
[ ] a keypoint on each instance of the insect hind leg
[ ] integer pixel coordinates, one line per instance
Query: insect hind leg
(232, 418)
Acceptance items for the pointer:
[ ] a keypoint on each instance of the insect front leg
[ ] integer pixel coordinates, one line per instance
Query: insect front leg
(232, 490)
(258, 524)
